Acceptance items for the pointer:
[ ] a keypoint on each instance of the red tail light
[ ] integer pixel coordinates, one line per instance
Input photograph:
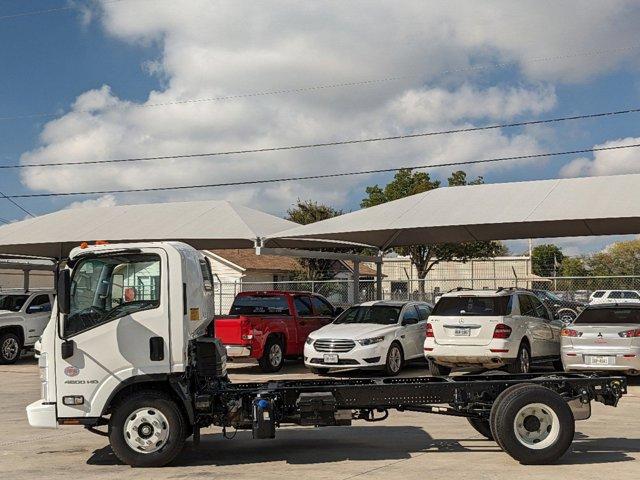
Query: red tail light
(569, 332)
(430, 331)
(502, 331)
(630, 333)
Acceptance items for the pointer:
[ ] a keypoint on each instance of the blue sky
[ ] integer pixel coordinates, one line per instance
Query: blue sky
(138, 52)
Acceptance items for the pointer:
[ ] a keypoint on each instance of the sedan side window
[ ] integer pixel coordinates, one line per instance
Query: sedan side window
(410, 316)
(424, 311)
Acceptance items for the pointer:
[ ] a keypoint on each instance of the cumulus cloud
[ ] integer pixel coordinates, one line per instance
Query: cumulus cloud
(212, 49)
(608, 162)
(103, 201)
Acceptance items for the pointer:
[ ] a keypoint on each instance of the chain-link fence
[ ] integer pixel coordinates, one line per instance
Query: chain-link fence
(341, 292)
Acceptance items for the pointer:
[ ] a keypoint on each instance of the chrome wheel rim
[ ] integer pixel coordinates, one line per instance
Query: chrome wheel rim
(275, 355)
(536, 426)
(524, 361)
(395, 359)
(10, 349)
(146, 430)
(567, 317)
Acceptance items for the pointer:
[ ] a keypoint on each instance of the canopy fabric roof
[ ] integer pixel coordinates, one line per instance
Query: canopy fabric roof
(202, 224)
(535, 209)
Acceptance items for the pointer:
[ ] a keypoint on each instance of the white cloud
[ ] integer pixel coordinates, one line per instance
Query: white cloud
(608, 162)
(212, 49)
(103, 201)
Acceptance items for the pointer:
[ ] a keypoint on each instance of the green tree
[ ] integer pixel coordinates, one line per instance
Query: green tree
(573, 267)
(425, 257)
(546, 260)
(621, 258)
(305, 212)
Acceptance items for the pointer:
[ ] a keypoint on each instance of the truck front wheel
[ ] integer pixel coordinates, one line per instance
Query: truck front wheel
(273, 356)
(10, 348)
(147, 429)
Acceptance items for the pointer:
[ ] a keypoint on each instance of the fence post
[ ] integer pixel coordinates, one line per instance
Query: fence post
(379, 276)
(356, 282)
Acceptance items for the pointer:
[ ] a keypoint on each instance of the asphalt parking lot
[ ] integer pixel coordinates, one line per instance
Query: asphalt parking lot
(406, 446)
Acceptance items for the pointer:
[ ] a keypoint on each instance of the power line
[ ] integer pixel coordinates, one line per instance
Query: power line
(17, 204)
(51, 10)
(312, 88)
(317, 177)
(4, 220)
(329, 144)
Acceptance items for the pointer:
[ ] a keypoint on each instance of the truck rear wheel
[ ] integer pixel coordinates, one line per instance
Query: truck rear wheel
(273, 356)
(147, 429)
(534, 425)
(10, 348)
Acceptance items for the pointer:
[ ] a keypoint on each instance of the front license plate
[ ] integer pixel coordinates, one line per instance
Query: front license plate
(600, 360)
(330, 358)
(462, 332)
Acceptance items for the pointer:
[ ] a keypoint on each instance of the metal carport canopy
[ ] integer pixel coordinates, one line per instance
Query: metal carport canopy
(202, 224)
(535, 209)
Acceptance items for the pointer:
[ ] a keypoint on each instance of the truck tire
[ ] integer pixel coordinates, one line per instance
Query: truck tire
(436, 370)
(534, 425)
(395, 360)
(273, 356)
(495, 408)
(481, 426)
(10, 348)
(522, 364)
(147, 429)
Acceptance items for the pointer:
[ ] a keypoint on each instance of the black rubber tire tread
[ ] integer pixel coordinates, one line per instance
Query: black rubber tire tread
(265, 364)
(482, 427)
(495, 409)
(3, 337)
(177, 429)
(436, 370)
(504, 430)
(387, 370)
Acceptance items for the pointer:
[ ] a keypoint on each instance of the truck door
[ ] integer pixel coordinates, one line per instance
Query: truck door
(119, 326)
(305, 318)
(322, 310)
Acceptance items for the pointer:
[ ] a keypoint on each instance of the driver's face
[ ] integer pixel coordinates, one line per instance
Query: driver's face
(129, 294)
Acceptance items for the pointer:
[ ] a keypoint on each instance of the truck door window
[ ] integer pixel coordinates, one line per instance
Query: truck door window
(12, 303)
(322, 307)
(40, 304)
(303, 306)
(107, 288)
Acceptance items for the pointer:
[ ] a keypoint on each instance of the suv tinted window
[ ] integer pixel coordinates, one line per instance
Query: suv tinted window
(633, 295)
(472, 305)
(615, 294)
(303, 306)
(322, 307)
(540, 309)
(526, 306)
(260, 305)
(598, 294)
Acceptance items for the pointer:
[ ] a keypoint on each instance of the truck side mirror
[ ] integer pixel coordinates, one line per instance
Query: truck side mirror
(64, 292)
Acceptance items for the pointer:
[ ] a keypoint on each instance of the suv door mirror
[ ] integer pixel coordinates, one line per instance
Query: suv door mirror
(64, 292)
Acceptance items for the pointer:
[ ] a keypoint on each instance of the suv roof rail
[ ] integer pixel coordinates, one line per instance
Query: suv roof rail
(459, 289)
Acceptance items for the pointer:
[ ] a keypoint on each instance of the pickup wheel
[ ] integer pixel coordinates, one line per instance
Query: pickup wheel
(395, 360)
(534, 425)
(147, 429)
(273, 356)
(436, 370)
(10, 348)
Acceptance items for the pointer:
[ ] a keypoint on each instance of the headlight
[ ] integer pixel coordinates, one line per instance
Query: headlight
(370, 341)
(310, 340)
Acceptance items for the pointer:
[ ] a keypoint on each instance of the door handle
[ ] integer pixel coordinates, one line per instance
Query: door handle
(156, 349)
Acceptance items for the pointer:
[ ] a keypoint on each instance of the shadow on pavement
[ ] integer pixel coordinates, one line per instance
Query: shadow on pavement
(585, 450)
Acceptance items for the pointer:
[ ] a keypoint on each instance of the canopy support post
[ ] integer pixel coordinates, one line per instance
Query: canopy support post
(379, 293)
(356, 282)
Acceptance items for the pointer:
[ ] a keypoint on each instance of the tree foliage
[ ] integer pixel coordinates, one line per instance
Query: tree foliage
(546, 260)
(425, 257)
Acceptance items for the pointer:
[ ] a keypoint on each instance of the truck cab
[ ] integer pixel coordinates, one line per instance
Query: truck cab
(23, 317)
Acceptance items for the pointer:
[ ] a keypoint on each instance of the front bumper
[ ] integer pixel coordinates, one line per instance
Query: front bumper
(471, 355)
(370, 356)
(42, 414)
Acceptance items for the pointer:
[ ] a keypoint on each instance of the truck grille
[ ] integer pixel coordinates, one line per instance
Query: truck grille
(334, 346)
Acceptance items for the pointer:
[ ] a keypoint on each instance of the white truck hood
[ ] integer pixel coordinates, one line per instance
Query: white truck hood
(352, 331)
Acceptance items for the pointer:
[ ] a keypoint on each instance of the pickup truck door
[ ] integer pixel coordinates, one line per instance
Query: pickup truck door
(37, 312)
(306, 321)
(323, 311)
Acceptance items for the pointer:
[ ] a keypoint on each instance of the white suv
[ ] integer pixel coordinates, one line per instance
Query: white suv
(614, 296)
(491, 329)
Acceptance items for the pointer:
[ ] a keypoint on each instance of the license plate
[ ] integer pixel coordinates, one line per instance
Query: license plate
(462, 332)
(330, 358)
(600, 360)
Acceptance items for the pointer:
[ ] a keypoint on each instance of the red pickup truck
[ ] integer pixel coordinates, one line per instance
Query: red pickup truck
(271, 326)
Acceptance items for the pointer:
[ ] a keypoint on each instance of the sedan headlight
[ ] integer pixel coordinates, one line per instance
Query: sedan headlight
(370, 341)
(310, 340)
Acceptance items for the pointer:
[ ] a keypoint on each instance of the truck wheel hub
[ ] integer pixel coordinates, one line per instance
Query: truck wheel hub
(536, 426)
(146, 430)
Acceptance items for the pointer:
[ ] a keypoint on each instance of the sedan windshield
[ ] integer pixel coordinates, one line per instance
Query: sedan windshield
(613, 316)
(376, 314)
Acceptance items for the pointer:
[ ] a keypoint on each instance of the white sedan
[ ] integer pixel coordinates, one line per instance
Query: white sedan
(373, 335)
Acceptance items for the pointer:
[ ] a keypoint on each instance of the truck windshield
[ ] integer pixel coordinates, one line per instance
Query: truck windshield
(613, 316)
(376, 314)
(12, 303)
(107, 288)
(260, 305)
(471, 305)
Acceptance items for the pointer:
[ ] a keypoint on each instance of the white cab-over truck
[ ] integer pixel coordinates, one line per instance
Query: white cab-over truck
(126, 349)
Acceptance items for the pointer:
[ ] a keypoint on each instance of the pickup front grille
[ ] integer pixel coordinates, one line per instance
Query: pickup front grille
(334, 346)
